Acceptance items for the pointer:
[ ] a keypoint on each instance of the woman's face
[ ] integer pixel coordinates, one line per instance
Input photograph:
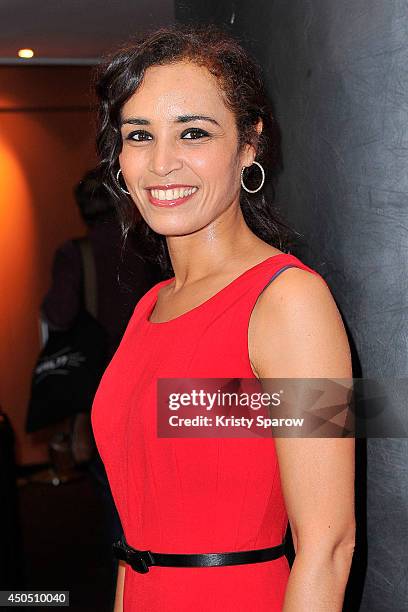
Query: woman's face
(180, 157)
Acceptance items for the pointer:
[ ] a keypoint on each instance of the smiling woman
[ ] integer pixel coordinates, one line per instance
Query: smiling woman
(235, 81)
(199, 149)
(183, 116)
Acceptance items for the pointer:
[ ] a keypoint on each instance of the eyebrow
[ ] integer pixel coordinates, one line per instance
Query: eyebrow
(179, 119)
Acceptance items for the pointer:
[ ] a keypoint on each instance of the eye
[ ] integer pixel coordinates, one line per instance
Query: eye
(138, 136)
(195, 133)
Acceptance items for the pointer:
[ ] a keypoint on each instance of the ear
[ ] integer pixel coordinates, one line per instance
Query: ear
(250, 150)
(259, 126)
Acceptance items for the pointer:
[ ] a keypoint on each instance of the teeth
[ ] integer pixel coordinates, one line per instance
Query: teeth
(172, 194)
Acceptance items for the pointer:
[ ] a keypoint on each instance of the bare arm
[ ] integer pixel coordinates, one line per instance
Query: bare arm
(118, 607)
(296, 332)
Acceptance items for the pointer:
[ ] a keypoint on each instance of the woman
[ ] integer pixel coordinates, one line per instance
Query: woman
(184, 116)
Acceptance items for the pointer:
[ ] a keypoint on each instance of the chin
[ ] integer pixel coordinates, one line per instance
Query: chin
(175, 227)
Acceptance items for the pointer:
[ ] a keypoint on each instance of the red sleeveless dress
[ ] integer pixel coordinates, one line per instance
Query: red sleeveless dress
(192, 495)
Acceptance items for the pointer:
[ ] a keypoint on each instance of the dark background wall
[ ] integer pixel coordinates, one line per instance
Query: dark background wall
(337, 74)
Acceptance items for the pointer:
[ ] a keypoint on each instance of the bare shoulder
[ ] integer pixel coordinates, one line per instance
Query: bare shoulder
(296, 330)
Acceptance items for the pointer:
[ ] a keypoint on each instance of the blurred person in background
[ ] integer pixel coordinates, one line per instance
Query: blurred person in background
(122, 277)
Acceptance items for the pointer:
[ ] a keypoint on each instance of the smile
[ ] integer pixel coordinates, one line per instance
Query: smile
(170, 196)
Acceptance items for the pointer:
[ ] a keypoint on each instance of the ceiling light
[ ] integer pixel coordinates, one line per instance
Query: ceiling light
(26, 53)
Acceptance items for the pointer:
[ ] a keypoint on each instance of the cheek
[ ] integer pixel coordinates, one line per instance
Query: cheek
(131, 161)
(217, 166)
(124, 161)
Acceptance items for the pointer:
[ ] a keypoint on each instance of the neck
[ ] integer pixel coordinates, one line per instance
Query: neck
(212, 250)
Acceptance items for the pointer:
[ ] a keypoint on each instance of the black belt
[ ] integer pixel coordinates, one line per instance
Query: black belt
(140, 560)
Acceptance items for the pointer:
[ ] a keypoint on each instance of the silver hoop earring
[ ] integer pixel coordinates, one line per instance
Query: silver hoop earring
(262, 181)
(117, 180)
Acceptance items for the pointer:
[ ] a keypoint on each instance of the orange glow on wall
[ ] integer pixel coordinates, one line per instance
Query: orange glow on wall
(17, 265)
(17, 236)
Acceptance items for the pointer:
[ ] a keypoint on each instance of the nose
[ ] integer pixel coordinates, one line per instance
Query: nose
(164, 158)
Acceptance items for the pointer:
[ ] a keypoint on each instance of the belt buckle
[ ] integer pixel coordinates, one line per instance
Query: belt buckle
(135, 558)
(137, 562)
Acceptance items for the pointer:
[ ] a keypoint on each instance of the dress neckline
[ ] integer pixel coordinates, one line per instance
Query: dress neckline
(213, 297)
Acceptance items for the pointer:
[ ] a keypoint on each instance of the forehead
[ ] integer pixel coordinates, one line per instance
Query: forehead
(177, 89)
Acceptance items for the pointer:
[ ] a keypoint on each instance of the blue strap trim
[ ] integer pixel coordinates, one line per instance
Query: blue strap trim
(277, 274)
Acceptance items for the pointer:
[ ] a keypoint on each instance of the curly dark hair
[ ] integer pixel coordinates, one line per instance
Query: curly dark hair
(240, 80)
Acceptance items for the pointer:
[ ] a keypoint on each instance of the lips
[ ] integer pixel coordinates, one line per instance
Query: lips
(170, 195)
